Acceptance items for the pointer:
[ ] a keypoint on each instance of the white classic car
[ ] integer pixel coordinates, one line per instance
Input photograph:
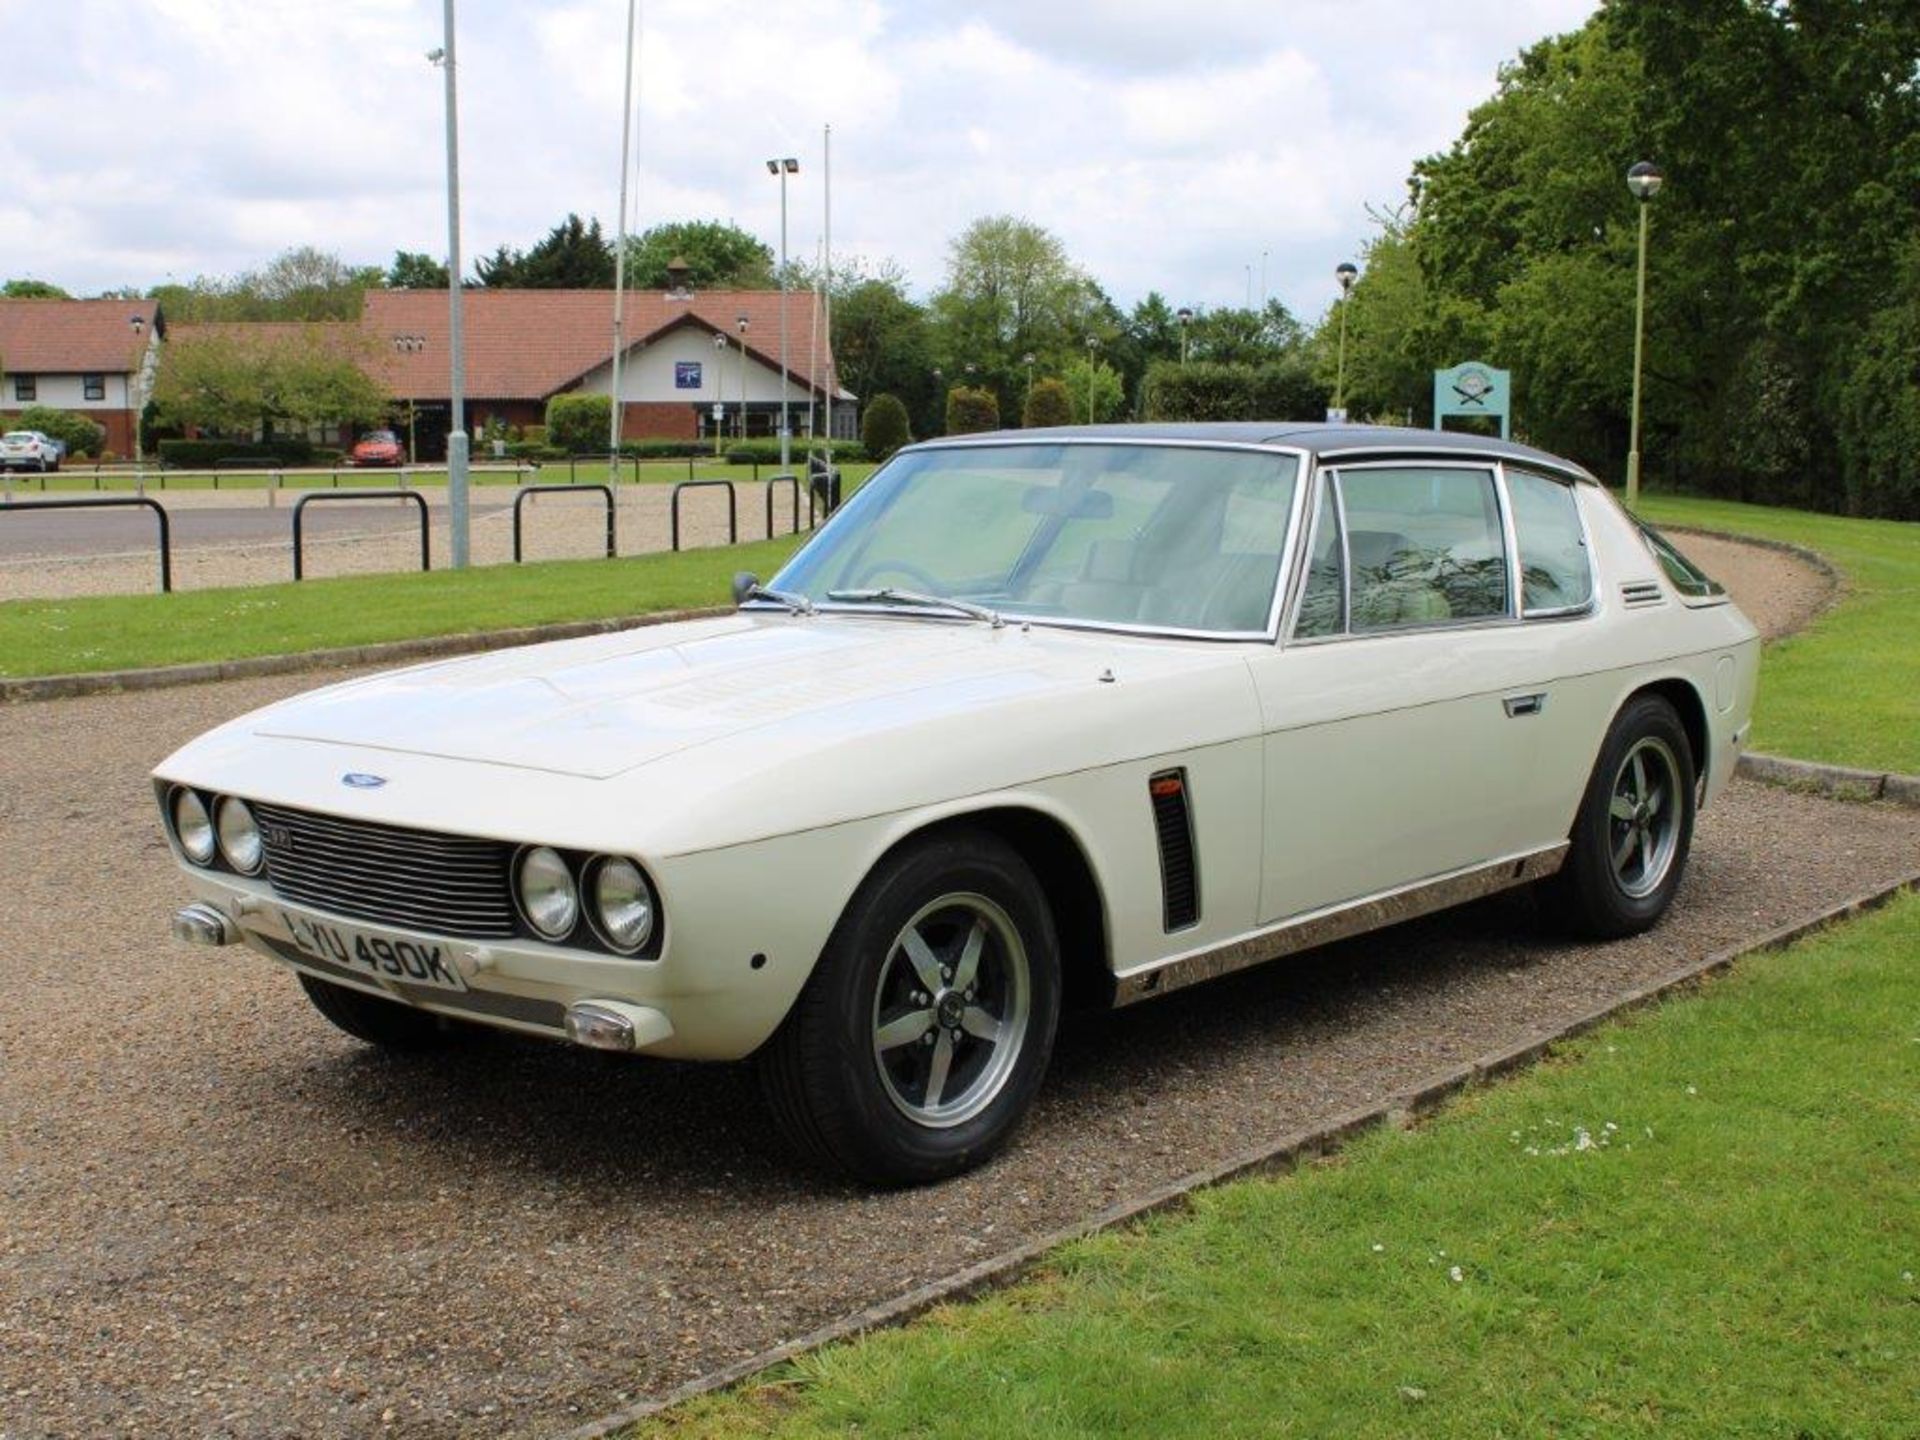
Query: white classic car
(1042, 717)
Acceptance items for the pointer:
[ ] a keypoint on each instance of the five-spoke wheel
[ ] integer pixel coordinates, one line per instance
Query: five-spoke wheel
(1628, 847)
(925, 1029)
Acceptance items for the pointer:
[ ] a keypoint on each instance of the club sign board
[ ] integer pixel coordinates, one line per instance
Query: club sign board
(686, 374)
(1472, 388)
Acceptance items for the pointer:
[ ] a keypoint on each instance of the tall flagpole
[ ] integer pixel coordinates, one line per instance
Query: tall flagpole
(620, 247)
(831, 383)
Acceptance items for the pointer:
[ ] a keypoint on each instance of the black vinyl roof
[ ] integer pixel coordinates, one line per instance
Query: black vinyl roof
(1327, 442)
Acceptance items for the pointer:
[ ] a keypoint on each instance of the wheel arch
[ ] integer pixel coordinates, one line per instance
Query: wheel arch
(1681, 693)
(1067, 878)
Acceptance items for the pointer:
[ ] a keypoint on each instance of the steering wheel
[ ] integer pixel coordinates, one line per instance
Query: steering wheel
(921, 579)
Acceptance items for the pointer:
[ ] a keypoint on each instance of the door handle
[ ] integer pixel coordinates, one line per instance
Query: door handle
(1518, 705)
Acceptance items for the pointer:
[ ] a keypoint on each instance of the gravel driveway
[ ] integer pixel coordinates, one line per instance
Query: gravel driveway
(219, 1216)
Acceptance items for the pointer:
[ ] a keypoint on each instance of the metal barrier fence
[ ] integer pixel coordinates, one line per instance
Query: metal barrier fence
(113, 502)
(301, 504)
(793, 481)
(733, 508)
(605, 492)
(276, 477)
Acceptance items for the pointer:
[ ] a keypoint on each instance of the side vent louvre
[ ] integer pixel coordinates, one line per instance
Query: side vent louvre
(1179, 870)
(1639, 594)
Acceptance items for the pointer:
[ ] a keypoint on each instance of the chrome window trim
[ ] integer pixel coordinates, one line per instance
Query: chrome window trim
(1283, 578)
(1557, 612)
(1478, 622)
(1394, 455)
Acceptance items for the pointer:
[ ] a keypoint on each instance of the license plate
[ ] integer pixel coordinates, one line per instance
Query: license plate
(371, 953)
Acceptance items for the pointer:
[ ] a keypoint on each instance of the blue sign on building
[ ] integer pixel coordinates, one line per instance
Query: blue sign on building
(686, 374)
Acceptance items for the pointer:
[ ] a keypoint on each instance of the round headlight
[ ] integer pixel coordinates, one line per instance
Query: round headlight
(192, 826)
(548, 897)
(622, 904)
(239, 836)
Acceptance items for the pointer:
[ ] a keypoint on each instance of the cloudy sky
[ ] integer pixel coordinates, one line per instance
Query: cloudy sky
(1171, 144)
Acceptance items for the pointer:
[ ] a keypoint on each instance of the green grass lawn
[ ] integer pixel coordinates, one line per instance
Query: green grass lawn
(110, 632)
(1847, 689)
(1700, 1221)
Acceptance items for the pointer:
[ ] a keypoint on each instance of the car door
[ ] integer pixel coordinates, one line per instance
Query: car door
(1401, 714)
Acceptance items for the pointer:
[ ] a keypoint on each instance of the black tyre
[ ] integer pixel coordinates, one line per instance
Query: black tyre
(922, 1036)
(1629, 844)
(386, 1023)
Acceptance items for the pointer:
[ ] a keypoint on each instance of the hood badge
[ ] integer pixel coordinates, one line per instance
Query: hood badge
(360, 780)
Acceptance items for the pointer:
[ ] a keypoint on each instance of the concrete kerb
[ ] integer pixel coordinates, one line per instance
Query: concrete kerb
(1281, 1155)
(428, 647)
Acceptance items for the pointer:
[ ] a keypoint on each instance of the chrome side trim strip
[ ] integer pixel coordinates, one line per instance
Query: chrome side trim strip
(1337, 922)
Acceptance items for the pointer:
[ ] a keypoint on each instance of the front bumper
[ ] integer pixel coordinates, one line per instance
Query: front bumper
(536, 989)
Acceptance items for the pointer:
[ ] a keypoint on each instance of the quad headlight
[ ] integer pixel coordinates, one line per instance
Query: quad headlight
(622, 904)
(238, 835)
(193, 827)
(548, 897)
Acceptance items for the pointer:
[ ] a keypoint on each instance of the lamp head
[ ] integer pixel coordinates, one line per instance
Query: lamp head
(1346, 272)
(1645, 180)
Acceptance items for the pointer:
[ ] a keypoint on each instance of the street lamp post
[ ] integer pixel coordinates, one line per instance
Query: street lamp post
(1093, 344)
(719, 390)
(741, 321)
(1027, 404)
(783, 167)
(1644, 180)
(1185, 317)
(456, 337)
(139, 391)
(1346, 272)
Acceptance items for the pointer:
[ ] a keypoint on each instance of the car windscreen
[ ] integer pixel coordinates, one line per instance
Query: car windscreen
(1154, 536)
(379, 437)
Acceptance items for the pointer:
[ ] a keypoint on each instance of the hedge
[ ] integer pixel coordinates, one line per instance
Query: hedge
(767, 452)
(82, 436)
(1207, 390)
(971, 410)
(884, 429)
(579, 422)
(205, 454)
(1047, 405)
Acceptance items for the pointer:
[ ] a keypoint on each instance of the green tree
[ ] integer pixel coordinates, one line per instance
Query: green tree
(883, 343)
(971, 409)
(1094, 391)
(416, 270)
(719, 256)
(228, 380)
(302, 283)
(883, 429)
(579, 422)
(574, 255)
(1048, 403)
(1011, 291)
(33, 290)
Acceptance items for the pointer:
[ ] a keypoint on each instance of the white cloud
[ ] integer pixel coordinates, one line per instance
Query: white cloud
(1169, 145)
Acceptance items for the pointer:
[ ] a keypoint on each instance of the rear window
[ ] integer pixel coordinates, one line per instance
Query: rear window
(1685, 576)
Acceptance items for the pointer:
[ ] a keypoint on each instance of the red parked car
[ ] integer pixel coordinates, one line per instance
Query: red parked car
(378, 447)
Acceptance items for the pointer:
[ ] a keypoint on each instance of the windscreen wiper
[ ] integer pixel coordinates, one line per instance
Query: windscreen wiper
(914, 597)
(796, 604)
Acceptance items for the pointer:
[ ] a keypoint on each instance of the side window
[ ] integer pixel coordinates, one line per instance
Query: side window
(25, 387)
(93, 387)
(1426, 545)
(1555, 574)
(1323, 602)
(1686, 577)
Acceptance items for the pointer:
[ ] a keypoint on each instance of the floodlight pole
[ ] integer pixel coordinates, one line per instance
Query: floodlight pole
(832, 382)
(1644, 181)
(620, 251)
(456, 338)
(784, 167)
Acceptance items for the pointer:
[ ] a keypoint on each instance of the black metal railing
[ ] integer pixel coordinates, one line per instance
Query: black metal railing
(733, 508)
(300, 505)
(605, 492)
(112, 502)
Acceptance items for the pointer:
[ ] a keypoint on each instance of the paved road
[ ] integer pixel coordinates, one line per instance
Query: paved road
(114, 529)
(220, 1217)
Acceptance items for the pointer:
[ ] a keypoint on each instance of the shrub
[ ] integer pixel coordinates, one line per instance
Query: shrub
(82, 435)
(971, 410)
(579, 423)
(205, 454)
(1207, 390)
(884, 429)
(534, 449)
(767, 452)
(664, 449)
(1047, 404)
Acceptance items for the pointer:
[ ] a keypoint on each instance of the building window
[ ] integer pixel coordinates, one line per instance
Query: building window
(93, 387)
(24, 388)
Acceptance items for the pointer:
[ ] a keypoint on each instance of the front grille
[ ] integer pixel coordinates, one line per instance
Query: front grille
(415, 879)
